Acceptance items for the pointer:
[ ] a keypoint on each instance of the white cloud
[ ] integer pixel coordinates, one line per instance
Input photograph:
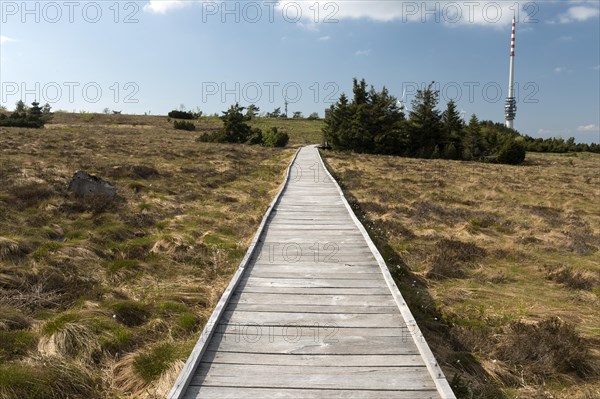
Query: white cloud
(162, 6)
(589, 128)
(486, 13)
(5, 39)
(559, 69)
(596, 68)
(324, 38)
(578, 14)
(362, 52)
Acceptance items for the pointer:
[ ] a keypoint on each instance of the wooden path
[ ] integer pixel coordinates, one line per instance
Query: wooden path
(312, 311)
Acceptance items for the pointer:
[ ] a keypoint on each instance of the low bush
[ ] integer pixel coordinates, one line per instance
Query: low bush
(184, 125)
(275, 138)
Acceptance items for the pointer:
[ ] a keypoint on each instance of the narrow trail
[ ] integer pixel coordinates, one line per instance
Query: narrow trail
(313, 311)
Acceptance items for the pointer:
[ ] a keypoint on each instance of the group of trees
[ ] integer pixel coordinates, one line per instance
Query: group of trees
(558, 145)
(23, 116)
(177, 114)
(237, 130)
(372, 122)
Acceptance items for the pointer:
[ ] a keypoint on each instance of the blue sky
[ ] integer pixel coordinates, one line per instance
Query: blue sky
(153, 56)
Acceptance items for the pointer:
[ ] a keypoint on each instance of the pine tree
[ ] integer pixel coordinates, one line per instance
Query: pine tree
(472, 141)
(235, 129)
(35, 111)
(426, 127)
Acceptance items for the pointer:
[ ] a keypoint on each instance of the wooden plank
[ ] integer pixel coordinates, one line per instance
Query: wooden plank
(311, 308)
(278, 393)
(311, 319)
(310, 297)
(321, 283)
(369, 360)
(350, 378)
(292, 342)
(318, 292)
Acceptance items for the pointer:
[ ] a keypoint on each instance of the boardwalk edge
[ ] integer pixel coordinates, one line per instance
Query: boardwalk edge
(186, 374)
(434, 369)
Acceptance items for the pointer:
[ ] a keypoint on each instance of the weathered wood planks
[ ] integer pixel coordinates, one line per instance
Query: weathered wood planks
(312, 311)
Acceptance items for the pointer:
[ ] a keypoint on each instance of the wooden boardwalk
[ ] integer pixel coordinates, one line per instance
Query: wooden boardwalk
(312, 311)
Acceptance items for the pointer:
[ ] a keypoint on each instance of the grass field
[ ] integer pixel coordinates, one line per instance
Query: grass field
(500, 265)
(103, 299)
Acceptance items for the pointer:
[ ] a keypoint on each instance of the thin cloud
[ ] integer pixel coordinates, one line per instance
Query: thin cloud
(362, 53)
(6, 39)
(588, 128)
(596, 68)
(324, 38)
(559, 69)
(579, 14)
(487, 13)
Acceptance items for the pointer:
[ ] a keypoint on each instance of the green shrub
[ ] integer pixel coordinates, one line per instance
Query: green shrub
(256, 137)
(184, 125)
(512, 153)
(181, 115)
(275, 138)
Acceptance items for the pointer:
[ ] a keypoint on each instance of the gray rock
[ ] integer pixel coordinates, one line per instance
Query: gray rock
(83, 184)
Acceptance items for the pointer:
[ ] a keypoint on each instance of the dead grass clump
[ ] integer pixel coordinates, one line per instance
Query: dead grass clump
(140, 220)
(452, 258)
(576, 279)
(13, 319)
(44, 289)
(12, 250)
(31, 194)
(72, 340)
(582, 239)
(546, 349)
(149, 370)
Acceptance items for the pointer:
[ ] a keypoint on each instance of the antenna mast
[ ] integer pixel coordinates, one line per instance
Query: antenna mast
(510, 108)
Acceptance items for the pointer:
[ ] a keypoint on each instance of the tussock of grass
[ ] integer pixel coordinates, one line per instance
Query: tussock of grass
(13, 319)
(452, 258)
(72, 340)
(48, 378)
(545, 349)
(11, 249)
(576, 279)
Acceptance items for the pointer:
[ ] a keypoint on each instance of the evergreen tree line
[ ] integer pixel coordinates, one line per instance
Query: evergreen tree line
(23, 116)
(558, 145)
(237, 130)
(372, 122)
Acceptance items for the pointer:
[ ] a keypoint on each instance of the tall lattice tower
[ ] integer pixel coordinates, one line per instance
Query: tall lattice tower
(510, 108)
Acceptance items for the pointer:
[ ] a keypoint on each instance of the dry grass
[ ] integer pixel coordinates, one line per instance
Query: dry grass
(500, 264)
(84, 282)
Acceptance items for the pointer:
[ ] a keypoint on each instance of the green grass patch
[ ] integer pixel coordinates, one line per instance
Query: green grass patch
(123, 264)
(46, 249)
(150, 364)
(16, 344)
